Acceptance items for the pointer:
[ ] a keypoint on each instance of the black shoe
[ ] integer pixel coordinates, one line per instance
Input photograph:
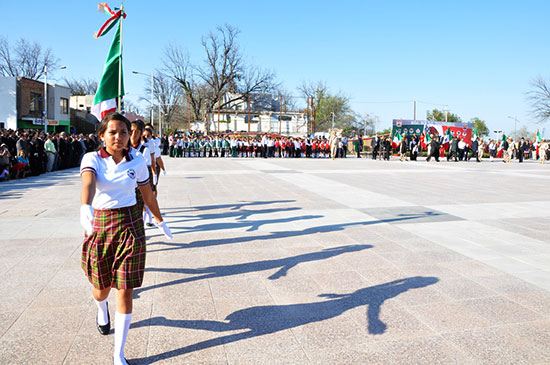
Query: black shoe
(149, 224)
(105, 329)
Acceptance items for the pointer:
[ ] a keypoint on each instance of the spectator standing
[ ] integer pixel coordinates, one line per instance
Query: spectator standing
(49, 147)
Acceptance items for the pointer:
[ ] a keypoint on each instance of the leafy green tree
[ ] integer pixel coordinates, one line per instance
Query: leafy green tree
(480, 126)
(438, 115)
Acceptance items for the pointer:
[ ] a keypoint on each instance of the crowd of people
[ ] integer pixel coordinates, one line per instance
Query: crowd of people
(33, 152)
(458, 149)
(265, 145)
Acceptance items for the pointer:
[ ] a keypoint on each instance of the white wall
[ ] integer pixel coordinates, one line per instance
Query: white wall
(55, 93)
(8, 102)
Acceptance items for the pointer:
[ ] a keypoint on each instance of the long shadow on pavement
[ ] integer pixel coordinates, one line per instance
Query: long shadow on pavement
(276, 235)
(284, 265)
(262, 320)
(234, 206)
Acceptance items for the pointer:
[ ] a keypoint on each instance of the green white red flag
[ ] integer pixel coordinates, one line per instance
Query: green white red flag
(105, 100)
(397, 138)
(425, 139)
(114, 17)
(539, 137)
(475, 133)
(447, 138)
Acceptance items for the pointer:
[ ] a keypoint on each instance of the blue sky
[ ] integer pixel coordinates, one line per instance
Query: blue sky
(478, 57)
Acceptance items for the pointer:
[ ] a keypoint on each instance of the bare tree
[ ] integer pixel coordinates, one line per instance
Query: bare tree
(82, 86)
(223, 79)
(177, 64)
(25, 59)
(539, 98)
(167, 93)
(287, 100)
(227, 74)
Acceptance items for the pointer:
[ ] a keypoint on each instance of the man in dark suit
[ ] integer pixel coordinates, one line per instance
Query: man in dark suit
(521, 149)
(453, 151)
(359, 146)
(375, 147)
(475, 145)
(434, 149)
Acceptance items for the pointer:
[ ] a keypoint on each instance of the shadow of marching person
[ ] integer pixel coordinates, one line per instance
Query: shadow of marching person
(262, 320)
(283, 265)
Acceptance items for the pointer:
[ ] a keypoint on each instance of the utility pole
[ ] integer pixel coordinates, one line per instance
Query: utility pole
(188, 112)
(515, 125)
(446, 112)
(280, 110)
(248, 113)
(313, 117)
(219, 105)
(308, 116)
(415, 110)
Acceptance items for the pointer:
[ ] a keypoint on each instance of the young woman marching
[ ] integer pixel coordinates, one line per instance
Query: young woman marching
(113, 252)
(142, 145)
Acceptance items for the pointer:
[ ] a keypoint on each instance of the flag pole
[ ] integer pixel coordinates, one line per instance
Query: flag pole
(120, 60)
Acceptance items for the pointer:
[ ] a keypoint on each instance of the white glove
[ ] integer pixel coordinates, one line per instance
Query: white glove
(86, 218)
(163, 172)
(155, 179)
(164, 229)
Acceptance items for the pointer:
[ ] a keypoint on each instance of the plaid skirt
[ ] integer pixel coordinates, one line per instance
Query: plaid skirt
(114, 254)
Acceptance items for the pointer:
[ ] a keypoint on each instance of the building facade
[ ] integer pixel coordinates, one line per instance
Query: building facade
(259, 114)
(22, 104)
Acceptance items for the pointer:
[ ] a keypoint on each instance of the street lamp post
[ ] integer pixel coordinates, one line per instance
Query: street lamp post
(45, 116)
(152, 90)
(515, 125)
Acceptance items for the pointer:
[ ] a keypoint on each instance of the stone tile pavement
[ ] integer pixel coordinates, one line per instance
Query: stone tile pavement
(296, 261)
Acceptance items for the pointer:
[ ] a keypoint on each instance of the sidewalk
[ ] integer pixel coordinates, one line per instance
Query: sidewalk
(295, 262)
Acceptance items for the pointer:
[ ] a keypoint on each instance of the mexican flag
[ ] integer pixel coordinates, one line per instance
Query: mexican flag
(504, 138)
(539, 137)
(425, 140)
(105, 100)
(397, 138)
(447, 138)
(475, 133)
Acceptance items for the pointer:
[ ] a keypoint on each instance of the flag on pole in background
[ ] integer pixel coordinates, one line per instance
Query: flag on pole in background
(504, 138)
(447, 138)
(425, 139)
(105, 100)
(397, 138)
(475, 134)
(539, 137)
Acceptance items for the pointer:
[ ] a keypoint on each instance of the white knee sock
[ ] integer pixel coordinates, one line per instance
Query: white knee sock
(122, 326)
(149, 215)
(102, 312)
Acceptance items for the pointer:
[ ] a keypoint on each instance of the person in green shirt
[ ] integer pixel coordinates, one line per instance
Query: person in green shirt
(49, 147)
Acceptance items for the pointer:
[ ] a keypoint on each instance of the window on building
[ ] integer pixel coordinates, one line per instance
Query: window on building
(64, 106)
(35, 102)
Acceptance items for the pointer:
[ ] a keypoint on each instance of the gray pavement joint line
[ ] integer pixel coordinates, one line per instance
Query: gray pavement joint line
(77, 332)
(147, 352)
(217, 316)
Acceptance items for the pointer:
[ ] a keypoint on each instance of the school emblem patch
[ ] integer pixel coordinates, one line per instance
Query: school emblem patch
(132, 174)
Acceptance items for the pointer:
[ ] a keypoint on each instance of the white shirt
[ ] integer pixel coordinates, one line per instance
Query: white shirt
(115, 183)
(145, 151)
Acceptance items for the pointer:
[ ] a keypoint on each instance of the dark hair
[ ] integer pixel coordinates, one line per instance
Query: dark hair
(139, 123)
(112, 116)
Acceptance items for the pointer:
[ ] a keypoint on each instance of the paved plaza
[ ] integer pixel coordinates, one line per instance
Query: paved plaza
(296, 262)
